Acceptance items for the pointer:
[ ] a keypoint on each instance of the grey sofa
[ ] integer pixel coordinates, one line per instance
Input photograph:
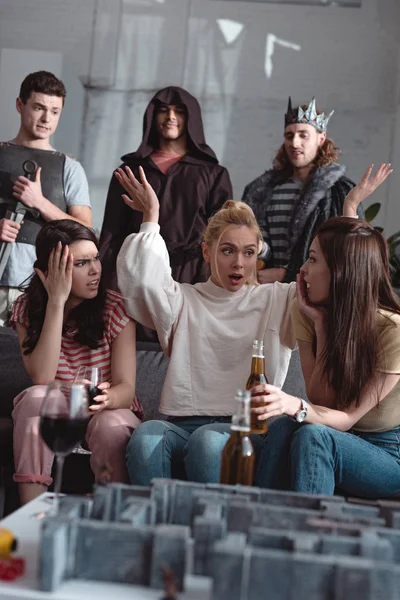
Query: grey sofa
(78, 478)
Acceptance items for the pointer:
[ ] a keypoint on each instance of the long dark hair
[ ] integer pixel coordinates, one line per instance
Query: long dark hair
(87, 317)
(358, 258)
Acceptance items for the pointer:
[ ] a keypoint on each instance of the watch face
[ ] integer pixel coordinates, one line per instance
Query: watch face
(301, 415)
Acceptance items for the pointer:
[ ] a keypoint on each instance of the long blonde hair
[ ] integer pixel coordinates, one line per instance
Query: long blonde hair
(233, 213)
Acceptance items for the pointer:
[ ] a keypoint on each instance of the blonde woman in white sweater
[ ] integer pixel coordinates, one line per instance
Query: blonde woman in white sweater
(206, 329)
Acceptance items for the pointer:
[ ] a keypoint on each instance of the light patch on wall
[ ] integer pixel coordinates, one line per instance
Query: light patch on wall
(230, 29)
(270, 44)
(341, 3)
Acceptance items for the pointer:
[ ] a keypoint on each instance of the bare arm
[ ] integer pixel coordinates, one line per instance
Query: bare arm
(30, 193)
(278, 403)
(82, 214)
(123, 372)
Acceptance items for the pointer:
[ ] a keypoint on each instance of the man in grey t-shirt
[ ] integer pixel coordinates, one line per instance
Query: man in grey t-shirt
(59, 190)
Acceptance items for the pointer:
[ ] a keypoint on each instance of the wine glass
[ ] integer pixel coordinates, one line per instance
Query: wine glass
(63, 420)
(90, 377)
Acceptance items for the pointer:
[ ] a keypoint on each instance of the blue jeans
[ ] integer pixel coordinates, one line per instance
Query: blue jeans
(316, 459)
(198, 441)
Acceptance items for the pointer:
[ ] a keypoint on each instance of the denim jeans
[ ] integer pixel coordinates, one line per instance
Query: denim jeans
(316, 459)
(198, 441)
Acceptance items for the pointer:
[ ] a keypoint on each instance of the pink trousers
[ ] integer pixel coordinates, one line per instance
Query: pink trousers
(107, 435)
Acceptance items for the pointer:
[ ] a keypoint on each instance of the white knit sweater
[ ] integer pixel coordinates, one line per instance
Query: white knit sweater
(206, 330)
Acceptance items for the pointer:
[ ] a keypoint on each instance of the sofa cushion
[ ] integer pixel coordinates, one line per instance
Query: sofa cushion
(13, 377)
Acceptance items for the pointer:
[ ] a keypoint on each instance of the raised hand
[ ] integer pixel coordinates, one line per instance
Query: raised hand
(141, 197)
(57, 281)
(365, 188)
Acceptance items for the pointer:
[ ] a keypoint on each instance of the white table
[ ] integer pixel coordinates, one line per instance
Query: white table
(26, 529)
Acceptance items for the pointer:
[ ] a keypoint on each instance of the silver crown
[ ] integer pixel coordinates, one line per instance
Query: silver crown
(308, 116)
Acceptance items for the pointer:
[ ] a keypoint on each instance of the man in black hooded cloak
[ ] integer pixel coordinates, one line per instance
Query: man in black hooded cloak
(185, 174)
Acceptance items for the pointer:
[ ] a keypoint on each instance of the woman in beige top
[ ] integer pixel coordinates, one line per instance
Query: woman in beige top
(347, 323)
(206, 329)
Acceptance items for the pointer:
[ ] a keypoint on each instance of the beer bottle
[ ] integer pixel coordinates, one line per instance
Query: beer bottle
(237, 464)
(257, 377)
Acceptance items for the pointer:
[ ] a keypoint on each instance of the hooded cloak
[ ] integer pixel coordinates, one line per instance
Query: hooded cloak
(191, 191)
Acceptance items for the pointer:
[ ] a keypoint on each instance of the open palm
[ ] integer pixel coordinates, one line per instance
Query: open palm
(141, 197)
(368, 184)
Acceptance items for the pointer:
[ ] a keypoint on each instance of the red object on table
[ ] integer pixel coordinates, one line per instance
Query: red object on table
(11, 568)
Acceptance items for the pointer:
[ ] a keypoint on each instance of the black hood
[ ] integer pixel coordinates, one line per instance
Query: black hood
(197, 146)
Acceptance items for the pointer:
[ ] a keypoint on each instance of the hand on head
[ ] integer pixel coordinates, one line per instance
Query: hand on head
(141, 197)
(57, 281)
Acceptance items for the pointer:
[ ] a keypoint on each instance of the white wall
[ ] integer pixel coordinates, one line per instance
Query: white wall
(15, 64)
(125, 50)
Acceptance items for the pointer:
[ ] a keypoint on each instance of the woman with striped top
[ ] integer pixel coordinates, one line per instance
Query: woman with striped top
(64, 320)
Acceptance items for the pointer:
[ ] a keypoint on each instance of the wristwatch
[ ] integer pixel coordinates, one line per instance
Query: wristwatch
(301, 414)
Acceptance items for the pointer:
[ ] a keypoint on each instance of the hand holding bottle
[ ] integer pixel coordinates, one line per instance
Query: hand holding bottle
(273, 402)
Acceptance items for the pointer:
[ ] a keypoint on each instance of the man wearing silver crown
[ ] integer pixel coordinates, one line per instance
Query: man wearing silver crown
(305, 188)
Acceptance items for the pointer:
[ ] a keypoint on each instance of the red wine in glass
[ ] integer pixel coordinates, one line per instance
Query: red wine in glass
(63, 420)
(61, 433)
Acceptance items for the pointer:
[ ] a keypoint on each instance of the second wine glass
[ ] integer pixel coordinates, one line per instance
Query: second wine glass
(90, 377)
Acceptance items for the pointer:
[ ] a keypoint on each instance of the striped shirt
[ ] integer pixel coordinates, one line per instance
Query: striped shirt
(278, 216)
(74, 355)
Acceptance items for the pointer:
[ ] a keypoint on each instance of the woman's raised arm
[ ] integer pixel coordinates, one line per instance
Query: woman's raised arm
(152, 297)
